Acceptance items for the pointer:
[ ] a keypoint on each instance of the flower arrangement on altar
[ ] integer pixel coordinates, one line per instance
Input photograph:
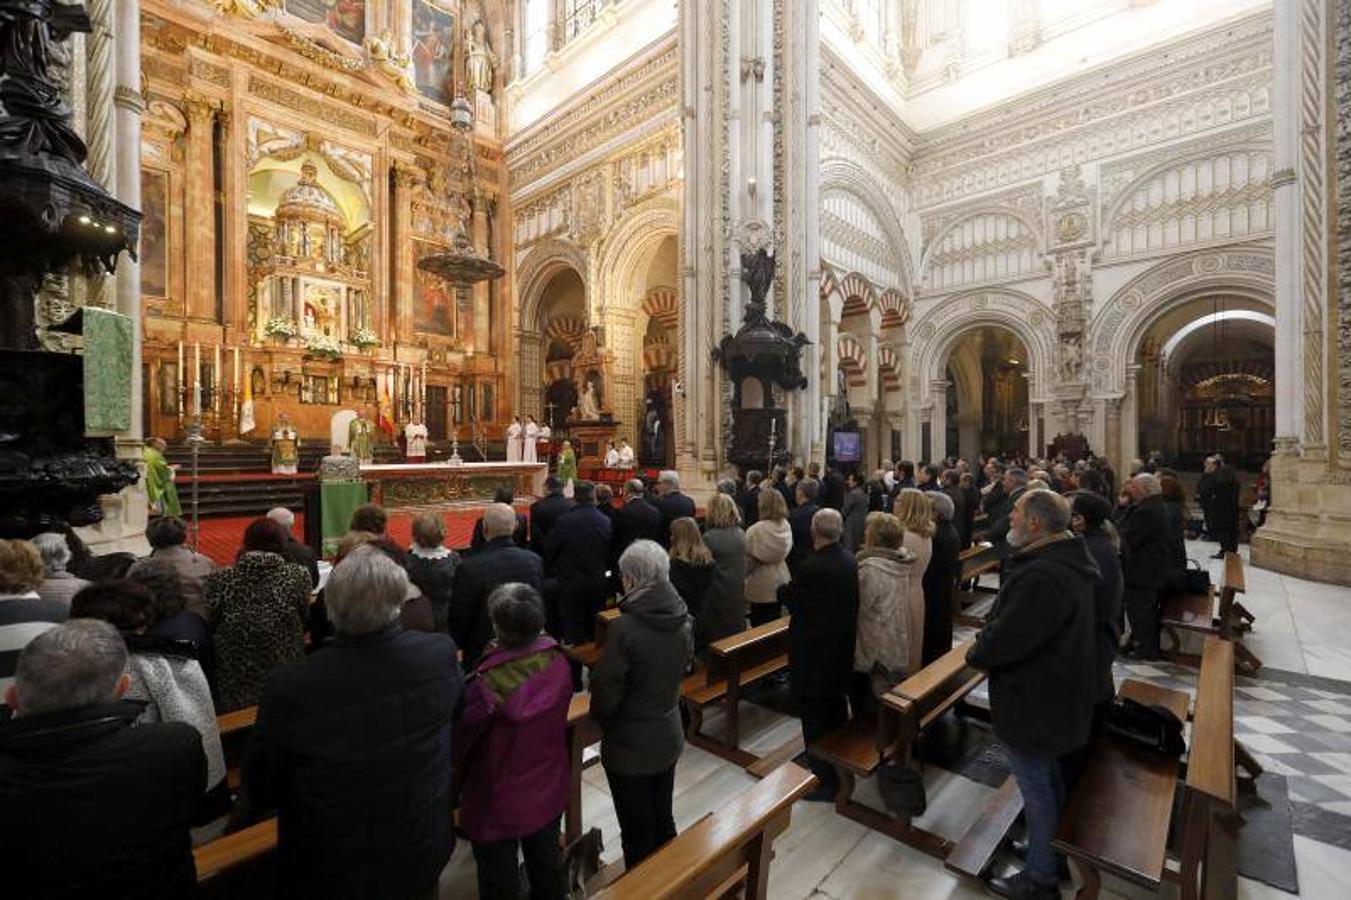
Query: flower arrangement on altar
(282, 327)
(364, 339)
(321, 344)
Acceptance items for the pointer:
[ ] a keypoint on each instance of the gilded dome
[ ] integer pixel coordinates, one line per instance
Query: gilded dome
(307, 199)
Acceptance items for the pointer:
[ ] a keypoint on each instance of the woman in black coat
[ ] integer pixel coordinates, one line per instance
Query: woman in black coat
(940, 579)
(692, 575)
(431, 566)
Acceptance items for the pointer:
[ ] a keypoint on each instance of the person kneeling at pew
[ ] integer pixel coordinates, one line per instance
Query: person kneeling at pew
(512, 754)
(1038, 647)
(635, 698)
(823, 599)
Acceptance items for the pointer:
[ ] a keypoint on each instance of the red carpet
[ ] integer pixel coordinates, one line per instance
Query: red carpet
(220, 538)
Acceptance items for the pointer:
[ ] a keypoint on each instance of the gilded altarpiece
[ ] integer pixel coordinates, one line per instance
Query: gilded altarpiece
(294, 159)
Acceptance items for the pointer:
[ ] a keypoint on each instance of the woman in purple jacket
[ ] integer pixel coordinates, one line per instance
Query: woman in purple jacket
(512, 744)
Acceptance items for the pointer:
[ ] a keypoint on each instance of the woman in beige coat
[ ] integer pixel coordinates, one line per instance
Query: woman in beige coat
(916, 517)
(883, 643)
(768, 543)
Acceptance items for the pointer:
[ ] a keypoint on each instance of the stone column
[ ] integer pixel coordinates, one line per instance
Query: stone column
(199, 209)
(1112, 428)
(406, 179)
(482, 290)
(938, 419)
(1130, 421)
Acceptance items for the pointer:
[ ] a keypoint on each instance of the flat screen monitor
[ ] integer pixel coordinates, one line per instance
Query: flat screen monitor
(847, 446)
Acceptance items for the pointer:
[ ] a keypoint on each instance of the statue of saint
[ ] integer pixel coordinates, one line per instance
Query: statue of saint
(285, 447)
(480, 60)
(588, 410)
(360, 439)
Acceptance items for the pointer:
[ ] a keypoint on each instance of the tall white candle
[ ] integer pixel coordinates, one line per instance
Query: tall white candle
(178, 397)
(196, 379)
(216, 381)
(235, 381)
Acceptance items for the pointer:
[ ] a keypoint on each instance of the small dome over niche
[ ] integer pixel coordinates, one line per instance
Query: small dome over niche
(309, 201)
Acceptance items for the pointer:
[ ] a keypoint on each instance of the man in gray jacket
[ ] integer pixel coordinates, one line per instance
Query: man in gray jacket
(635, 698)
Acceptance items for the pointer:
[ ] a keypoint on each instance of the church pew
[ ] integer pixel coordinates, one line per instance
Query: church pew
(1116, 820)
(728, 852)
(973, 563)
(252, 846)
(582, 733)
(1216, 612)
(588, 654)
(235, 728)
(733, 663)
(859, 748)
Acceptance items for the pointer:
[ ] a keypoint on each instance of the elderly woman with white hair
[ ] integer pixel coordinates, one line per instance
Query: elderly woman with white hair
(635, 698)
(353, 746)
(57, 585)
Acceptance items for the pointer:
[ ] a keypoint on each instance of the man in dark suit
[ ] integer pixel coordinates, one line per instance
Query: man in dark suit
(1143, 526)
(296, 551)
(576, 557)
(671, 504)
(831, 492)
(1038, 646)
(353, 746)
(927, 478)
(800, 520)
(500, 561)
(520, 537)
(1014, 483)
(749, 501)
(951, 480)
(823, 599)
(545, 511)
(1224, 493)
(635, 520)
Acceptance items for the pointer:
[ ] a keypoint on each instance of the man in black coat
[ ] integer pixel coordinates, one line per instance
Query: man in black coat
(951, 482)
(1090, 512)
(800, 520)
(499, 562)
(671, 504)
(831, 493)
(1038, 647)
(823, 599)
(1143, 525)
(576, 557)
(1013, 483)
(545, 511)
(749, 501)
(352, 747)
(1224, 508)
(780, 484)
(92, 804)
(634, 521)
(520, 536)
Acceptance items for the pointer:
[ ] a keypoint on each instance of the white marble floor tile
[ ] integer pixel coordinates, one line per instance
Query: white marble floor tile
(879, 868)
(1328, 661)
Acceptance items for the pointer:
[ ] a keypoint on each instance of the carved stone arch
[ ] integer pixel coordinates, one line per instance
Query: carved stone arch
(568, 329)
(889, 366)
(832, 301)
(1115, 333)
(635, 234)
(1033, 227)
(840, 174)
(1185, 215)
(895, 310)
(663, 304)
(541, 263)
(939, 330)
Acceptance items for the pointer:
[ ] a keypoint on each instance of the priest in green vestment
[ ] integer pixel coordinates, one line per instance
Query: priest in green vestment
(159, 479)
(360, 437)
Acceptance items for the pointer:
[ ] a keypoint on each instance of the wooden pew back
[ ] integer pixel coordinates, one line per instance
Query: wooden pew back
(732, 845)
(911, 706)
(742, 652)
(1210, 820)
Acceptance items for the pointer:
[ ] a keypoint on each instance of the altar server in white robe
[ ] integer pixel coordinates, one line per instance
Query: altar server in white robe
(531, 440)
(514, 440)
(625, 454)
(611, 456)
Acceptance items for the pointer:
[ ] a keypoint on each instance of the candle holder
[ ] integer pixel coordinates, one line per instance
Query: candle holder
(455, 459)
(195, 440)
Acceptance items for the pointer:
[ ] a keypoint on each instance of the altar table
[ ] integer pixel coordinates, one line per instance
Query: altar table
(417, 484)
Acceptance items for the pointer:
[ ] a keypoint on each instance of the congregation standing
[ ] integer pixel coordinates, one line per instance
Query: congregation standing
(428, 677)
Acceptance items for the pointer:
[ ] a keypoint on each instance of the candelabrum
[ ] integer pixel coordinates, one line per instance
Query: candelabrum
(195, 440)
(772, 439)
(455, 459)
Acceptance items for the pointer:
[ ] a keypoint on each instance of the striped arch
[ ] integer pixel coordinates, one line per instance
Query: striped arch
(858, 294)
(829, 284)
(889, 367)
(658, 355)
(663, 304)
(895, 311)
(558, 370)
(567, 329)
(853, 359)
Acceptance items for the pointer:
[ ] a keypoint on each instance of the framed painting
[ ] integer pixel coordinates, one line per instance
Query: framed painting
(346, 18)
(154, 251)
(433, 309)
(433, 50)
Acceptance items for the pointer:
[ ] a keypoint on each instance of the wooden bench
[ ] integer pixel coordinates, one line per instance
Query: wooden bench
(726, 853)
(1120, 815)
(235, 729)
(858, 749)
(1199, 613)
(582, 733)
(231, 852)
(588, 654)
(974, 562)
(733, 663)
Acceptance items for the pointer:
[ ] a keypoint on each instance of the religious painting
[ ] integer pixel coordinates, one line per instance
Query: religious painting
(487, 408)
(347, 18)
(168, 388)
(433, 50)
(154, 252)
(432, 298)
(319, 308)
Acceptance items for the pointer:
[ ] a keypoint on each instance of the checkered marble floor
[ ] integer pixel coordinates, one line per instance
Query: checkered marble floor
(1295, 725)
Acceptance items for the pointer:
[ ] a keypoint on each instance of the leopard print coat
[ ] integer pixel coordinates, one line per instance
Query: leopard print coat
(258, 608)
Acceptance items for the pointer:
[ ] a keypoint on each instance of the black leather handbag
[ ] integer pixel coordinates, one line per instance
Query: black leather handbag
(1195, 580)
(1153, 727)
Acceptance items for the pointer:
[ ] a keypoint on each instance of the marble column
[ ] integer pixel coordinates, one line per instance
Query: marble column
(1112, 428)
(938, 419)
(1130, 421)
(199, 208)
(406, 179)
